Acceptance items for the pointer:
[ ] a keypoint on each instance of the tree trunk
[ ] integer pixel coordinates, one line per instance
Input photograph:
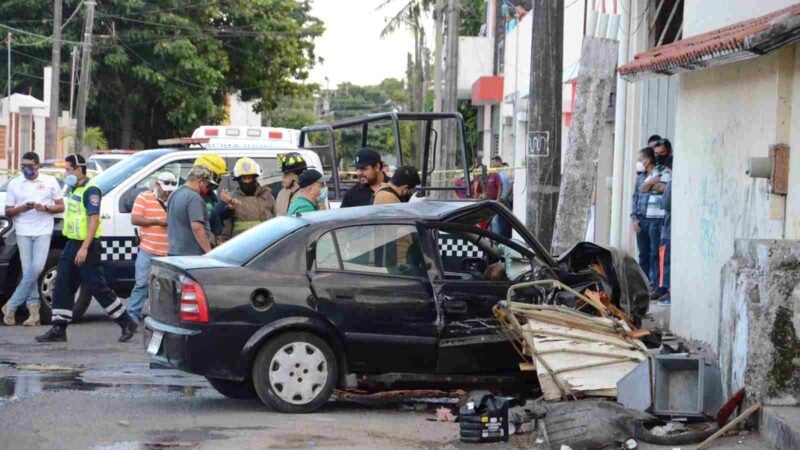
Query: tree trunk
(127, 124)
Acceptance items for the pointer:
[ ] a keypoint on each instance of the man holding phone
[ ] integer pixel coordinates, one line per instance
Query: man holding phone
(32, 200)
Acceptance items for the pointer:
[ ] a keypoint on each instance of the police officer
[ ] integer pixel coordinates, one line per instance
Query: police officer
(292, 166)
(250, 204)
(216, 164)
(80, 260)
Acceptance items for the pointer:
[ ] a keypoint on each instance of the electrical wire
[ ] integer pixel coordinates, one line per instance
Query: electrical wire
(44, 38)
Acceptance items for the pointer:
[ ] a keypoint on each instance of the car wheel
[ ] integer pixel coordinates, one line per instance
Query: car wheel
(47, 284)
(295, 372)
(242, 390)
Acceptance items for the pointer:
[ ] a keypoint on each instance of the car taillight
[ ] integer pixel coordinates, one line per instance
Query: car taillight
(193, 306)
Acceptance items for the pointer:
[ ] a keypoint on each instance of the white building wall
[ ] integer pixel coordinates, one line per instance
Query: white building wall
(726, 115)
(241, 113)
(700, 16)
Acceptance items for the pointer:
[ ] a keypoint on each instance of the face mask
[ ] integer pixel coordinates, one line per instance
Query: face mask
(71, 180)
(323, 194)
(640, 167)
(248, 188)
(28, 172)
(661, 160)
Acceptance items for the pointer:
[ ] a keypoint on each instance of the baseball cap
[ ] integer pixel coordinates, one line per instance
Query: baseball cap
(406, 176)
(203, 173)
(167, 181)
(367, 157)
(310, 177)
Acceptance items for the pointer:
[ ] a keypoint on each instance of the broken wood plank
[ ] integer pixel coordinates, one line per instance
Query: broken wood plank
(527, 367)
(748, 412)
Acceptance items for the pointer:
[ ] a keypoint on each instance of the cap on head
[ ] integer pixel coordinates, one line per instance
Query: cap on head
(203, 173)
(167, 181)
(310, 177)
(367, 157)
(406, 176)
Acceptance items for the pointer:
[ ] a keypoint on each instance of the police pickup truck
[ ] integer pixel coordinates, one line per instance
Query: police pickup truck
(123, 181)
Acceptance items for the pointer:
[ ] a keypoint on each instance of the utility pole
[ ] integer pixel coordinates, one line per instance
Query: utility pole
(51, 137)
(73, 72)
(8, 126)
(83, 87)
(544, 118)
(438, 16)
(450, 133)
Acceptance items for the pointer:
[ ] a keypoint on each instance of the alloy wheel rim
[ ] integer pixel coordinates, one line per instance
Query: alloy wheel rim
(298, 373)
(48, 284)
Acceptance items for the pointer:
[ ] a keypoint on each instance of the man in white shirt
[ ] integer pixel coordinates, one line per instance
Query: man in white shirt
(31, 200)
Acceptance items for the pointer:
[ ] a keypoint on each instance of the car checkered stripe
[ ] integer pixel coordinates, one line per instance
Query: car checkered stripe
(449, 246)
(118, 250)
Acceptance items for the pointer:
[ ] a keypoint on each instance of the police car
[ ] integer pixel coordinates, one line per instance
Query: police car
(123, 181)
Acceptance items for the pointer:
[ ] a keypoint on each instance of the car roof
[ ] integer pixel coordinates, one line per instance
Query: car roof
(423, 210)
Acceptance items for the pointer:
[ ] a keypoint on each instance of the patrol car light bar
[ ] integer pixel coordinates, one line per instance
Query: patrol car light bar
(183, 141)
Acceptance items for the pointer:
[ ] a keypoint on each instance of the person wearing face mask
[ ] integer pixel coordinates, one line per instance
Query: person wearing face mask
(646, 224)
(292, 166)
(312, 191)
(80, 262)
(31, 200)
(188, 228)
(250, 204)
(400, 187)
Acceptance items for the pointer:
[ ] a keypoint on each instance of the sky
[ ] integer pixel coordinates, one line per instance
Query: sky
(351, 46)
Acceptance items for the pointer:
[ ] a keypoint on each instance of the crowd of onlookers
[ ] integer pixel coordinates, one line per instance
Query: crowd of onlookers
(651, 214)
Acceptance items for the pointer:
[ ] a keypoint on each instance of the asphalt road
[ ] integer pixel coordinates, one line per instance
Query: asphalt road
(96, 393)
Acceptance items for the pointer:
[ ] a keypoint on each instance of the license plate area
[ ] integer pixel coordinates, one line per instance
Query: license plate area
(155, 342)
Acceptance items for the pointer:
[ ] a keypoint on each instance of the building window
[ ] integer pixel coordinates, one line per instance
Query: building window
(665, 20)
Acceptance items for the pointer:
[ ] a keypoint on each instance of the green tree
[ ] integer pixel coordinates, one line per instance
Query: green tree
(163, 67)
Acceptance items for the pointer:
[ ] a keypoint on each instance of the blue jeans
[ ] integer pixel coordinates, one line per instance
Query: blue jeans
(33, 252)
(648, 240)
(139, 292)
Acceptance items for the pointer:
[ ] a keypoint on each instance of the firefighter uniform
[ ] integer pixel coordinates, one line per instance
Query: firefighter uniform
(284, 199)
(251, 203)
(292, 166)
(250, 211)
(83, 201)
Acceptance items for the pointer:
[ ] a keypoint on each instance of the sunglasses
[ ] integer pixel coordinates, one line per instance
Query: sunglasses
(169, 183)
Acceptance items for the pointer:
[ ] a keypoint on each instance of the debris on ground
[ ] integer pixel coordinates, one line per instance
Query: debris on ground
(590, 424)
(417, 396)
(444, 415)
(46, 368)
(669, 428)
(575, 354)
(484, 418)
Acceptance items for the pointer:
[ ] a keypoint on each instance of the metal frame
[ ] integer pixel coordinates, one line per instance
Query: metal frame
(395, 118)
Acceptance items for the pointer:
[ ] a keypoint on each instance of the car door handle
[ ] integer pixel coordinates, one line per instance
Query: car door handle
(455, 306)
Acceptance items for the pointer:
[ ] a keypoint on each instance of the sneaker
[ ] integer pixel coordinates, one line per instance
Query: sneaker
(33, 319)
(9, 315)
(128, 330)
(55, 334)
(665, 300)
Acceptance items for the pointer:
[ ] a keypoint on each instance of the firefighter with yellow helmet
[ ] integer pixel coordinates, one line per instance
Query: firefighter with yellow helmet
(292, 166)
(216, 164)
(250, 204)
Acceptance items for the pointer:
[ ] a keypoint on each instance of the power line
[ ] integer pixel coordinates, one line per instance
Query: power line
(44, 38)
(232, 31)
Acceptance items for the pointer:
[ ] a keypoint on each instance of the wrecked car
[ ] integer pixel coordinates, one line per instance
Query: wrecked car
(293, 308)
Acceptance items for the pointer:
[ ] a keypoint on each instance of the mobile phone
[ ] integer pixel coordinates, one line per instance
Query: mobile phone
(30, 204)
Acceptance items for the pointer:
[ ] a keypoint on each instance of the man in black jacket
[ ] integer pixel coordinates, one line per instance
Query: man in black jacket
(369, 169)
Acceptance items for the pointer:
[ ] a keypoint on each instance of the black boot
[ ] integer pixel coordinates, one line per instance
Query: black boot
(129, 327)
(56, 334)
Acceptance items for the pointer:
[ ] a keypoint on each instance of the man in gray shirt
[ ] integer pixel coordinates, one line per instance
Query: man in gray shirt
(188, 229)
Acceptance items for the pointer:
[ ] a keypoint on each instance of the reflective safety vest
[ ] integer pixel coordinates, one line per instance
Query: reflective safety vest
(76, 220)
(252, 210)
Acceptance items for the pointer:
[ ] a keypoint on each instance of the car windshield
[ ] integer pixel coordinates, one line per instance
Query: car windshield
(103, 163)
(117, 173)
(249, 244)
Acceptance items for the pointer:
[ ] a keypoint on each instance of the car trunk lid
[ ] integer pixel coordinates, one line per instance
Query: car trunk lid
(167, 276)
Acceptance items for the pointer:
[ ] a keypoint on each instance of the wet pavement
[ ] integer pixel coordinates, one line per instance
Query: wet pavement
(95, 393)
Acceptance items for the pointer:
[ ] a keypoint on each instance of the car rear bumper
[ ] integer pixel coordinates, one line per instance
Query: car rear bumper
(196, 350)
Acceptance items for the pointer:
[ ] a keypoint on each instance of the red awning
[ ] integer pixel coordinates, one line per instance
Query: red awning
(737, 42)
(487, 90)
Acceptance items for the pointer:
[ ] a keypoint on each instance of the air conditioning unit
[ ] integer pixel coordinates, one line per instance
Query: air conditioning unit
(508, 121)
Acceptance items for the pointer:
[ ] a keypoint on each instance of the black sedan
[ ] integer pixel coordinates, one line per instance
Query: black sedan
(295, 307)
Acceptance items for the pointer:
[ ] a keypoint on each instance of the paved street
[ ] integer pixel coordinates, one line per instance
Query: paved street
(111, 400)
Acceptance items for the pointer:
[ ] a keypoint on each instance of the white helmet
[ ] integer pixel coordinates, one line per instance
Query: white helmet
(246, 166)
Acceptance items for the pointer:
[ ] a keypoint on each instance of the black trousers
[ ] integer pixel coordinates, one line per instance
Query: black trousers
(90, 275)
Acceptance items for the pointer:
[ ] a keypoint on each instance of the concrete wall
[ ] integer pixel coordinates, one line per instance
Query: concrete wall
(726, 115)
(700, 16)
(475, 60)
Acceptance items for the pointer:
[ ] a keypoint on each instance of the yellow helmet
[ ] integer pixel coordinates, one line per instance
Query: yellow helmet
(213, 162)
(246, 166)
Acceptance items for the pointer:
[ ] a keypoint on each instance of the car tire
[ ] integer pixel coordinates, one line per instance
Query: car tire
(240, 390)
(47, 282)
(315, 372)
